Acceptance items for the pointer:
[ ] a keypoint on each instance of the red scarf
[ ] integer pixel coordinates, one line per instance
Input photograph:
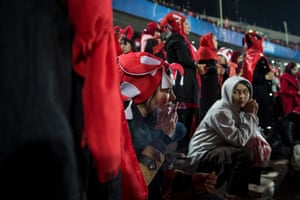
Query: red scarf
(105, 127)
(206, 50)
(251, 58)
(193, 51)
(253, 54)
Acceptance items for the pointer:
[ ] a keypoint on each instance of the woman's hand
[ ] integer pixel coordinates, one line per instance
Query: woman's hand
(251, 107)
(269, 76)
(201, 68)
(220, 70)
(167, 118)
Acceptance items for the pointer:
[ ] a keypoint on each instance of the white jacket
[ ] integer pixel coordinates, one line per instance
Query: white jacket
(223, 125)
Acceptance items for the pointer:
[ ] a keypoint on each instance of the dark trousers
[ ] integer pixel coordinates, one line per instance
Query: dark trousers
(188, 118)
(232, 165)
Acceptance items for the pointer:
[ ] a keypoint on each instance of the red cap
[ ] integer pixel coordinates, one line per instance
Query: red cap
(225, 52)
(152, 27)
(127, 33)
(141, 75)
(173, 21)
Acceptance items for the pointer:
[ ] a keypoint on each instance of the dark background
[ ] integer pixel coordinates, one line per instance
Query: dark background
(264, 13)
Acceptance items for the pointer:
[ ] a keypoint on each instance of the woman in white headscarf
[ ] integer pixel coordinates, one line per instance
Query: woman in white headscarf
(219, 143)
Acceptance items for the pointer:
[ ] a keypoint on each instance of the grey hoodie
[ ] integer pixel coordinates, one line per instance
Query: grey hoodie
(223, 125)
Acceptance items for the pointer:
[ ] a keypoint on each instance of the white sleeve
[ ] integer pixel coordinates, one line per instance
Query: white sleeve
(236, 131)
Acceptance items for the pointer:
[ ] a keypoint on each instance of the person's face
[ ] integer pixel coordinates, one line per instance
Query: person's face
(161, 97)
(294, 70)
(240, 95)
(215, 42)
(125, 47)
(240, 58)
(222, 59)
(156, 34)
(186, 27)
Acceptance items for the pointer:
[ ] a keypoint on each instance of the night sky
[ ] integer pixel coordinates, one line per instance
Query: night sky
(264, 13)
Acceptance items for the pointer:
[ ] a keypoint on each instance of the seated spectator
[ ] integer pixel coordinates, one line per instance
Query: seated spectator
(152, 121)
(219, 143)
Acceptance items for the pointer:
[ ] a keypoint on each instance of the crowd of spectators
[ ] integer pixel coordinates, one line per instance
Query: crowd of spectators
(241, 28)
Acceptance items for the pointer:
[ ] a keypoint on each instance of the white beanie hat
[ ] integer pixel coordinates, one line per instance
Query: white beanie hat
(226, 52)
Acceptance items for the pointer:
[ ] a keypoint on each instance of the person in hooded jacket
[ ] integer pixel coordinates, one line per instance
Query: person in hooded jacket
(258, 71)
(219, 143)
(179, 50)
(207, 58)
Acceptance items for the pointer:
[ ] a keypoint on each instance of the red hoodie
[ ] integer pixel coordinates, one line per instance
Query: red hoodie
(253, 54)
